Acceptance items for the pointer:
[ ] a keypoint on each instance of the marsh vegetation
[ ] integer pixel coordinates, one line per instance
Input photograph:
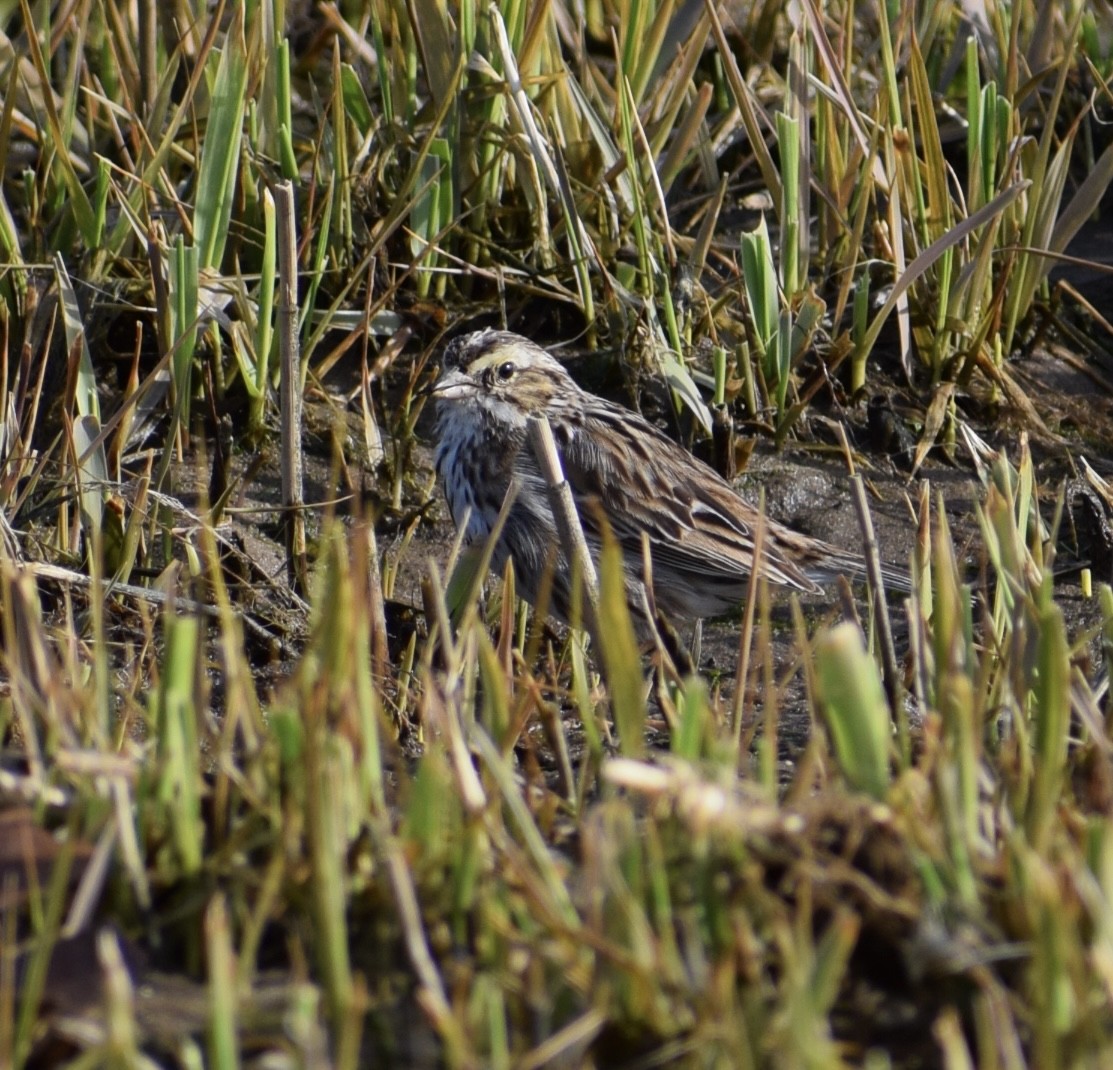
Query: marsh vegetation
(287, 782)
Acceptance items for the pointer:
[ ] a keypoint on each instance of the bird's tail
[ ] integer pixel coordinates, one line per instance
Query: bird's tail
(853, 567)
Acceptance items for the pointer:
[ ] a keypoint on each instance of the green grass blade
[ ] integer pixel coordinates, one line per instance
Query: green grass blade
(220, 152)
(855, 711)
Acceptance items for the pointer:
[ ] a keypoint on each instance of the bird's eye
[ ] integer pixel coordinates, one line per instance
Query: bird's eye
(506, 370)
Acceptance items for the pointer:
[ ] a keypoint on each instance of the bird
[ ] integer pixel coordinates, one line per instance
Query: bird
(625, 475)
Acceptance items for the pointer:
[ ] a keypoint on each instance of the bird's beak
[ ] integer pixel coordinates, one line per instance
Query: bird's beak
(451, 385)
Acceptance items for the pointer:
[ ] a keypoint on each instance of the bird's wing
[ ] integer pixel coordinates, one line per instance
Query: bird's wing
(695, 521)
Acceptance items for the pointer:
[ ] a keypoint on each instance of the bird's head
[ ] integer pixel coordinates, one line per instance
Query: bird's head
(505, 376)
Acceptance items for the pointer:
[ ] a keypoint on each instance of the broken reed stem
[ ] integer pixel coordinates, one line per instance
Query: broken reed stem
(746, 633)
(376, 603)
(293, 493)
(877, 589)
(44, 570)
(873, 574)
(564, 508)
(147, 19)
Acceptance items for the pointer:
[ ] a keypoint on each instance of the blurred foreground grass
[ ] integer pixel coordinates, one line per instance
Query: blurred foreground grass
(241, 825)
